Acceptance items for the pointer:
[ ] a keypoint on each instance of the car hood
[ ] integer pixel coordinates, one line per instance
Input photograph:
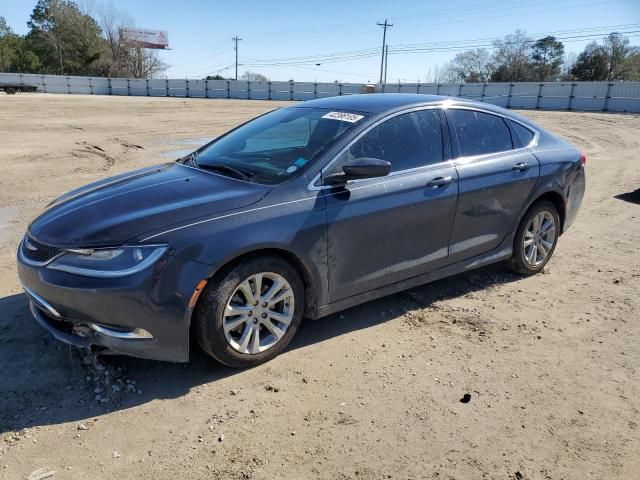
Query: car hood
(114, 210)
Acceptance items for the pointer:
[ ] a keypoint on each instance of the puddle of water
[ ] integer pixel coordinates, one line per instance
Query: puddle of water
(7, 214)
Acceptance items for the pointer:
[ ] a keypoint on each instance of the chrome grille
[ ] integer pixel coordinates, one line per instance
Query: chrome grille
(38, 252)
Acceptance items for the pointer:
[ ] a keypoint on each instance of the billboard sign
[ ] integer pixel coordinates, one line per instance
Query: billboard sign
(141, 37)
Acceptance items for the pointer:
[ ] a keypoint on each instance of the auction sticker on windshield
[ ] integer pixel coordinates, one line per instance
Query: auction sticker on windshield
(344, 116)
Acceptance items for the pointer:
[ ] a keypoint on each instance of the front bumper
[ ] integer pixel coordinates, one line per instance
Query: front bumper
(145, 315)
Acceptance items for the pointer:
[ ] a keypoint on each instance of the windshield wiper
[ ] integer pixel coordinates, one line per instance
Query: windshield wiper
(190, 159)
(222, 168)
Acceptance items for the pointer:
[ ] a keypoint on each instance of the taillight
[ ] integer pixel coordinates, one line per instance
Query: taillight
(583, 159)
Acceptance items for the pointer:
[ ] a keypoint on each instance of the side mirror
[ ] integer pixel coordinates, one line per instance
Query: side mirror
(357, 169)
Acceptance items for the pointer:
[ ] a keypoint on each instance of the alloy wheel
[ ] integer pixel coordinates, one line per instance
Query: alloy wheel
(258, 313)
(539, 238)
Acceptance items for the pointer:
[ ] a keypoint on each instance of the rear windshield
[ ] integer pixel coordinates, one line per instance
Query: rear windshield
(275, 146)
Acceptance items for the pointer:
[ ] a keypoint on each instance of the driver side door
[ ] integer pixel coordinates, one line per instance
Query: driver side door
(384, 230)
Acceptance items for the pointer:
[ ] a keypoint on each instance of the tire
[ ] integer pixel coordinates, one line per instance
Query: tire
(529, 259)
(10, 91)
(235, 347)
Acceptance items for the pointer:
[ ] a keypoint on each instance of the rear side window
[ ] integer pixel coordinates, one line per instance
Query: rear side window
(480, 133)
(407, 141)
(523, 134)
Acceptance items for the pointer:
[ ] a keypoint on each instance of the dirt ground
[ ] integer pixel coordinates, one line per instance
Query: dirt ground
(551, 362)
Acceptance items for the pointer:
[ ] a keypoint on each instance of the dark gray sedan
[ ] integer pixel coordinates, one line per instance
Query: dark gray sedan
(301, 212)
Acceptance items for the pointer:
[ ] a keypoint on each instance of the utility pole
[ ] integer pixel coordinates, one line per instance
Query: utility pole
(236, 39)
(384, 25)
(386, 59)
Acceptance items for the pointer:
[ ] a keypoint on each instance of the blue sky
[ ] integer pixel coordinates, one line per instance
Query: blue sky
(276, 31)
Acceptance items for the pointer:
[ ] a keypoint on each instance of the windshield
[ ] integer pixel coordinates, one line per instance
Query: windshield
(275, 146)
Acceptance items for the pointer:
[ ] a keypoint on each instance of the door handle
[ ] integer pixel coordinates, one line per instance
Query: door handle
(440, 182)
(520, 166)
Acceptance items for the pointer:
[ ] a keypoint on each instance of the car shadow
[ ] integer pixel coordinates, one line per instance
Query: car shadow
(44, 382)
(631, 197)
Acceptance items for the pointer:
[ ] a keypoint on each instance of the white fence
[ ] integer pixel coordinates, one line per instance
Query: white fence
(582, 96)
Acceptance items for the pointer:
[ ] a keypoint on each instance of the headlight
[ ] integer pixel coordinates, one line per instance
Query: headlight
(109, 262)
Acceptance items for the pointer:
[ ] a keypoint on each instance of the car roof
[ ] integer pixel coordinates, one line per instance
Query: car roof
(375, 103)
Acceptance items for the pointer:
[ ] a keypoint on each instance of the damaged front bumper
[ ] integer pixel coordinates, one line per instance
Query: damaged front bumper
(146, 315)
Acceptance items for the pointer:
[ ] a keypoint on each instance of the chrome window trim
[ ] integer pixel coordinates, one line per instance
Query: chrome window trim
(473, 158)
(536, 134)
(446, 105)
(312, 187)
(371, 181)
(408, 171)
(462, 161)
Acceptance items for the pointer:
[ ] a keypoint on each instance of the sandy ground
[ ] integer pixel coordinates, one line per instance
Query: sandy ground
(551, 362)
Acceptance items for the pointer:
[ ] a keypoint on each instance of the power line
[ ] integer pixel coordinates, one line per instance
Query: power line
(236, 39)
(202, 60)
(440, 17)
(426, 48)
(330, 71)
(604, 29)
(214, 71)
(452, 46)
(317, 56)
(384, 25)
(363, 53)
(534, 8)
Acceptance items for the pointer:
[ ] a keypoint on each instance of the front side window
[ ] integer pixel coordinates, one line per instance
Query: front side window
(480, 133)
(406, 141)
(275, 146)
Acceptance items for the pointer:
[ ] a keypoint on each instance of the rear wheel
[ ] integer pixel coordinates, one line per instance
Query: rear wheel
(10, 90)
(536, 238)
(250, 314)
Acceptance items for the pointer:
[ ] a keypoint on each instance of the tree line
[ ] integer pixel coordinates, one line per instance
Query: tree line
(519, 58)
(63, 39)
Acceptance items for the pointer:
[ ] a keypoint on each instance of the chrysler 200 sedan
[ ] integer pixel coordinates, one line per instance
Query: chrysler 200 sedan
(301, 212)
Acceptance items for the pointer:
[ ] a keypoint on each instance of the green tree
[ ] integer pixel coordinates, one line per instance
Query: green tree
(66, 40)
(24, 59)
(472, 66)
(568, 62)
(633, 66)
(8, 41)
(620, 57)
(512, 58)
(16, 53)
(615, 59)
(253, 77)
(592, 64)
(546, 58)
(120, 57)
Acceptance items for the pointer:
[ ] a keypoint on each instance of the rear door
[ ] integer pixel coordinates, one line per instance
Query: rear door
(496, 175)
(383, 230)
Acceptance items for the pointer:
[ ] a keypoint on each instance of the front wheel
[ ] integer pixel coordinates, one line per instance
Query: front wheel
(535, 239)
(249, 314)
